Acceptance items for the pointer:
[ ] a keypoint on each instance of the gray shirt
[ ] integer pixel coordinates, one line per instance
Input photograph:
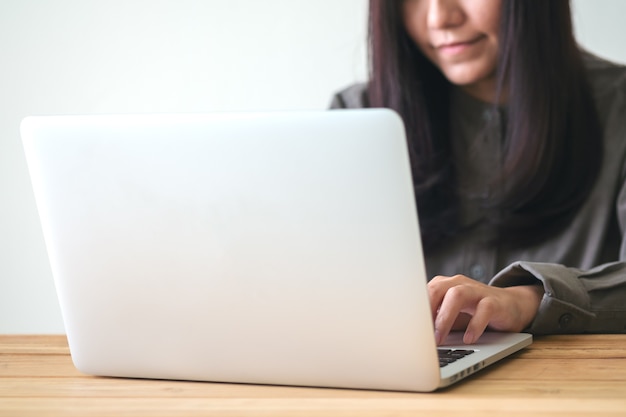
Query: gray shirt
(583, 267)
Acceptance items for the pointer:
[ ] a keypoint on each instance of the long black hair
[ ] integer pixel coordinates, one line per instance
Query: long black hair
(552, 141)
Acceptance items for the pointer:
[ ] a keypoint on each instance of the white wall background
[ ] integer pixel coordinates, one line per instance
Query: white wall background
(100, 56)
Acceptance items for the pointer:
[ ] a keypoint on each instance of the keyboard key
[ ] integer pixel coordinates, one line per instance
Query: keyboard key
(447, 356)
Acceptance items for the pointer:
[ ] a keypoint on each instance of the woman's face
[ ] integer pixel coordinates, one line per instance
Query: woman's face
(460, 37)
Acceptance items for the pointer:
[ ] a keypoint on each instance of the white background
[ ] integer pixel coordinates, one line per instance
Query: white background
(96, 56)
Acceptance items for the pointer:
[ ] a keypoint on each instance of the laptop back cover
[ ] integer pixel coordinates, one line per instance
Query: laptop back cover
(275, 248)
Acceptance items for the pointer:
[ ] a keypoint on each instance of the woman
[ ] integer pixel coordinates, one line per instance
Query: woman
(518, 147)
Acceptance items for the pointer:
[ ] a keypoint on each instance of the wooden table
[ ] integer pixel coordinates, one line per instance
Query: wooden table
(556, 376)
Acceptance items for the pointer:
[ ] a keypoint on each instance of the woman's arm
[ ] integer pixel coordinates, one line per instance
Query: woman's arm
(539, 298)
(574, 301)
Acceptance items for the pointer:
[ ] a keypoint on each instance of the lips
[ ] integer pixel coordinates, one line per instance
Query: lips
(455, 47)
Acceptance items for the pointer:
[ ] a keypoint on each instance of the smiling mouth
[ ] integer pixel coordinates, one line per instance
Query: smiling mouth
(457, 47)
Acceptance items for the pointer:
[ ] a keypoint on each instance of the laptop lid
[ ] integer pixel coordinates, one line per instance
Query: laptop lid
(272, 248)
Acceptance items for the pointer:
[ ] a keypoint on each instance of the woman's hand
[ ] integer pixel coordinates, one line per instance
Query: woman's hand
(460, 302)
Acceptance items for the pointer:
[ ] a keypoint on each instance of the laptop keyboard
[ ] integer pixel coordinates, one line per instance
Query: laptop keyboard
(447, 356)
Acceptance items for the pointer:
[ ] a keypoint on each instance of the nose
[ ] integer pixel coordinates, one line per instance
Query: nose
(444, 14)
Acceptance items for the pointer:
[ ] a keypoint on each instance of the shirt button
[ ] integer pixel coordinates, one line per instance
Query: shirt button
(477, 271)
(565, 320)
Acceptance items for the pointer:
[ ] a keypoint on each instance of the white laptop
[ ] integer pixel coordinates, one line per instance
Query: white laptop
(265, 248)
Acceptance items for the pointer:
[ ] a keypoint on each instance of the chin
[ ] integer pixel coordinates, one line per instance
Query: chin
(471, 79)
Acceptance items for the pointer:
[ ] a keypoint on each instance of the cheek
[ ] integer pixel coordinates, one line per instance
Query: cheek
(490, 19)
(414, 20)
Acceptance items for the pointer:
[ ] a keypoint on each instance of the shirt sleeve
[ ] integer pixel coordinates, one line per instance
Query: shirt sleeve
(353, 97)
(575, 301)
(337, 102)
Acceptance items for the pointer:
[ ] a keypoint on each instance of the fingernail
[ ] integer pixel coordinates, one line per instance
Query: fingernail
(468, 338)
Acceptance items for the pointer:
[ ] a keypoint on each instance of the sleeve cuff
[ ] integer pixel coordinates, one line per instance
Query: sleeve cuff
(565, 304)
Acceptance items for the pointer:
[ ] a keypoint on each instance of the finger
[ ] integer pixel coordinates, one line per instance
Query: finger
(437, 288)
(485, 310)
(456, 299)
